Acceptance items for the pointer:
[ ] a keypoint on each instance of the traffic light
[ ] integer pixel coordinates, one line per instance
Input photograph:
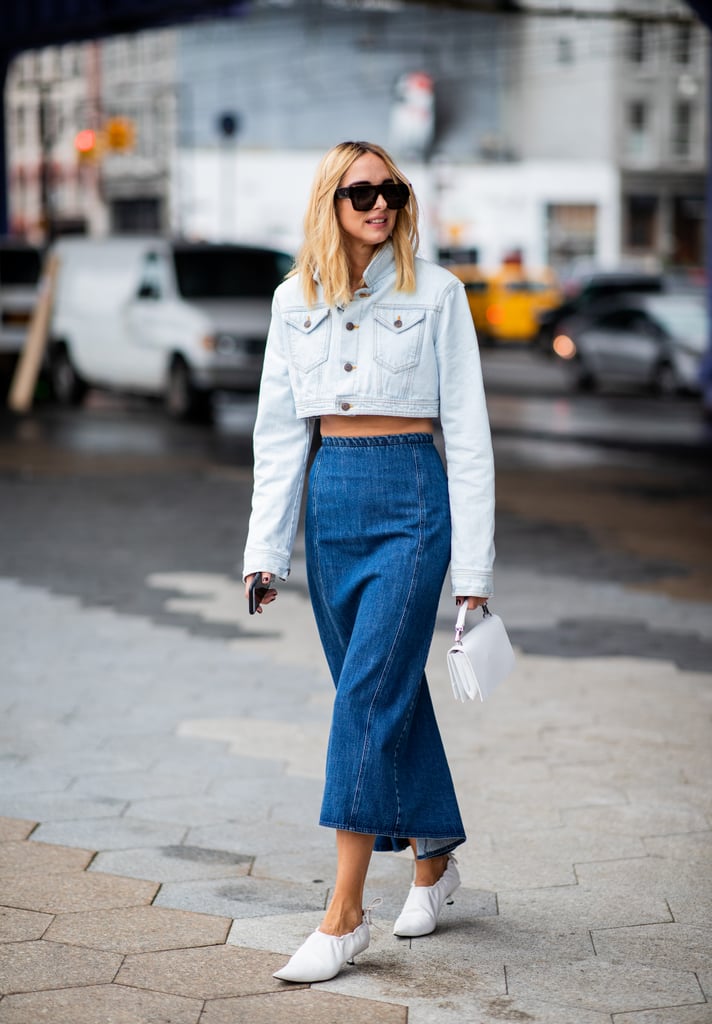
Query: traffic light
(120, 134)
(86, 144)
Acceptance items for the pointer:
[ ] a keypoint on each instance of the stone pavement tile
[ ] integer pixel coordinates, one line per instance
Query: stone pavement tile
(596, 984)
(508, 940)
(191, 812)
(657, 945)
(705, 980)
(243, 897)
(174, 863)
(78, 891)
(443, 968)
(557, 793)
(28, 779)
(138, 929)
(567, 844)
(22, 925)
(109, 834)
(548, 908)
(99, 1004)
(693, 848)
(693, 907)
(699, 1014)
(514, 869)
(210, 972)
(136, 785)
(28, 857)
(33, 966)
(301, 745)
(15, 829)
(259, 838)
(697, 795)
(654, 876)
(58, 807)
(277, 933)
(301, 1006)
(640, 819)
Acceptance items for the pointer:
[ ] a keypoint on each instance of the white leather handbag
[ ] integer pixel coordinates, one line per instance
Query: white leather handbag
(480, 659)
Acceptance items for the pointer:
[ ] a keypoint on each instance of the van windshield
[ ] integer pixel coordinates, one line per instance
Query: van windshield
(19, 266)
(228, 273)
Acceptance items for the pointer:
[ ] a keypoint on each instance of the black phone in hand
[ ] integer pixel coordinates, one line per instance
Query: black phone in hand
(257, 592)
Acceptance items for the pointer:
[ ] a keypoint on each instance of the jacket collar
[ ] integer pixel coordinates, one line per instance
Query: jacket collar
(382, 264)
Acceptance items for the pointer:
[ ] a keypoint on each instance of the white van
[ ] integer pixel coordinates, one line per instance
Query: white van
(155, 317)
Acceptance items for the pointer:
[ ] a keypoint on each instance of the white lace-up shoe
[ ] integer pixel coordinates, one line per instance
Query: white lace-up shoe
(419, 915)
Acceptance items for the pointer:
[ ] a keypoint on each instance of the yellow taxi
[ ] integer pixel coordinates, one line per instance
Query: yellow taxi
(505, 304)
(515, 297)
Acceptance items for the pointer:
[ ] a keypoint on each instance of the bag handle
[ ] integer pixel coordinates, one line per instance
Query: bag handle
(460, 623)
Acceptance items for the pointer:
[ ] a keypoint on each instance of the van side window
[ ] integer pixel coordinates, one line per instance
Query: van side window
(153, 277)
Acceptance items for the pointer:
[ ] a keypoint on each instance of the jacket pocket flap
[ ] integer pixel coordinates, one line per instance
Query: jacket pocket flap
(306, 320)
(398, 319)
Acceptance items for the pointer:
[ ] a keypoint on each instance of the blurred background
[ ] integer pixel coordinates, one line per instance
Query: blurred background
(559, 153)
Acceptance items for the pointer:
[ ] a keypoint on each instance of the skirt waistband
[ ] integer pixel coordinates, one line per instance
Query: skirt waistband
(375, 441)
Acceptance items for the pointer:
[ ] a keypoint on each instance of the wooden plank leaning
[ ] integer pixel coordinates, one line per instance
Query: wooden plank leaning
(24, 381)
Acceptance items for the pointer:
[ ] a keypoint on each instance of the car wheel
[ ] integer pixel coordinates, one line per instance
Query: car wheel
(183, 401)
(584, 380)
(665, 380)
(67, 386)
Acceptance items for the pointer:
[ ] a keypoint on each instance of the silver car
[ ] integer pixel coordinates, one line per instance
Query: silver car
(645, 341)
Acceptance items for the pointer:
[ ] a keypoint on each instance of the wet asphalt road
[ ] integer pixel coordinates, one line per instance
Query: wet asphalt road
(602, 489)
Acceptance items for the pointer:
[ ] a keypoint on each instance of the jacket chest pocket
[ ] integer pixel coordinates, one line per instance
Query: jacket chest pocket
(308, 337)
(398, 340)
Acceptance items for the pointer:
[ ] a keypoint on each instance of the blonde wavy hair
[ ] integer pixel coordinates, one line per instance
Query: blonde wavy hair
(323, 250)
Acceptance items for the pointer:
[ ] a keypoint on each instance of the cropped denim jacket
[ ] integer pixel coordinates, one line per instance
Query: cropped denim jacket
(386, 353)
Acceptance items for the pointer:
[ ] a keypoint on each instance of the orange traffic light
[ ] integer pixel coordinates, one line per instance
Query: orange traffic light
(120, 134)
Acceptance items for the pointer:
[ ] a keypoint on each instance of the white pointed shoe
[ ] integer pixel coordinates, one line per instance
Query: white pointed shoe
(322, 956)
(419, 915)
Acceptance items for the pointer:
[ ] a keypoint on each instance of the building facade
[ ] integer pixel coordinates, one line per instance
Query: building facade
(575, 139)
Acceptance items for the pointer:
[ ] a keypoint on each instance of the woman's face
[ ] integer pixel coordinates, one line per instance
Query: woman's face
(371, 227)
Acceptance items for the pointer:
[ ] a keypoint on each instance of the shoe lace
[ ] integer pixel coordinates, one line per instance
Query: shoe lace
(376, 902)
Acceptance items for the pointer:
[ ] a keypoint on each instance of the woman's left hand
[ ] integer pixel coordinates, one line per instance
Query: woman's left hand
(472, 602)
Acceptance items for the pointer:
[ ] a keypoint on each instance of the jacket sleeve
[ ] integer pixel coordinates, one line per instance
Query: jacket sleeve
(468, 447)
(281, 445)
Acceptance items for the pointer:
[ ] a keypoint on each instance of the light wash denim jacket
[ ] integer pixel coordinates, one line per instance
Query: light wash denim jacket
(386, 353)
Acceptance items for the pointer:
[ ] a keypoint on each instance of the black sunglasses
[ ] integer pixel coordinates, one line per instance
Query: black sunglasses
(363, 197)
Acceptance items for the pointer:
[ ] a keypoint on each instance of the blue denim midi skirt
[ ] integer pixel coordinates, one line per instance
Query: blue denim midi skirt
(378, 547)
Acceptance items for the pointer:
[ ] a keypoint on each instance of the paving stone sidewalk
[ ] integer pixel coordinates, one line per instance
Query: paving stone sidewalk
(159, 854)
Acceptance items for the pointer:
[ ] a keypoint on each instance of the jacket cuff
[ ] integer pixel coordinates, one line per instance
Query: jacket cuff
(265, 560)
(472, 584)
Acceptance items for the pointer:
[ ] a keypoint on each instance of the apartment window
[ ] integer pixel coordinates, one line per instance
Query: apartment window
(638, 138)
(640, 42)
(682, 47)
(682, 128)
(564, 50)
(641, 221)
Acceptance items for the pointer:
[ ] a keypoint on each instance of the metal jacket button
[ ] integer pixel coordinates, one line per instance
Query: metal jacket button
(307, 322)
(346, 406)
(350, 326)
(348, 367)
(398, 322)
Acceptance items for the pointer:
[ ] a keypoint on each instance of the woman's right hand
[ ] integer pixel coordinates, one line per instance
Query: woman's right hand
(271, 594)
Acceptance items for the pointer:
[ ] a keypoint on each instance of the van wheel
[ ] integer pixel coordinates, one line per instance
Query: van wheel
(183, 401)
(67, 386)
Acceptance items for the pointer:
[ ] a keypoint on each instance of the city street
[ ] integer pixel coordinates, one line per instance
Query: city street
(161, 752)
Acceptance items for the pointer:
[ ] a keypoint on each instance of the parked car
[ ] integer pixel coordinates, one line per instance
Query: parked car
(153, 317)
(588, 292)
(20, 267)
(652, 341)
